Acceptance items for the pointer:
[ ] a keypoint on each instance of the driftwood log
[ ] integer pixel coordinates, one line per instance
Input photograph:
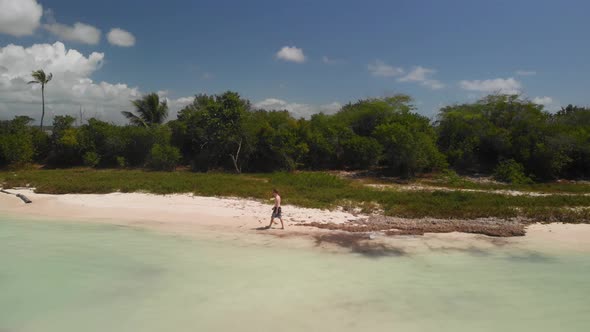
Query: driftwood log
(24, 198)
(21, 196)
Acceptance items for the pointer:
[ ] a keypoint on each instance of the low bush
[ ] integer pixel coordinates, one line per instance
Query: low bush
(121, 162)
(163, 157)
(91, 159)
(511, 171)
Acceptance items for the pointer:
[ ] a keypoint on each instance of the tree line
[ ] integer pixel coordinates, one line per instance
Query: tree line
(505, 135)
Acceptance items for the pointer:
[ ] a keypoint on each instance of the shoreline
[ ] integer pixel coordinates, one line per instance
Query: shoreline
(237, 218)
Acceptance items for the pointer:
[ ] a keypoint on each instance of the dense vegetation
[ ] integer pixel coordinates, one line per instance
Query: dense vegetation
(504, 135)
(516, 139)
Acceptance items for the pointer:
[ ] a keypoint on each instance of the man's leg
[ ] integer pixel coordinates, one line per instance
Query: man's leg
(271, 220)
(282, 226)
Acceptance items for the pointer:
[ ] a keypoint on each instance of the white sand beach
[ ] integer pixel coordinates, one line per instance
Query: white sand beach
(195, 215)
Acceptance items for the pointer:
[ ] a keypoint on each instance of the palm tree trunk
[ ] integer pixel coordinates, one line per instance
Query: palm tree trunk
(43, 103)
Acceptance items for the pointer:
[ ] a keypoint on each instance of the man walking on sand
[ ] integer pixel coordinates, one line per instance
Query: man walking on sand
(276, 210)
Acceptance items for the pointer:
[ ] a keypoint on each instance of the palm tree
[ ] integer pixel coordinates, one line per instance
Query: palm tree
(39, 77)
(149, 110)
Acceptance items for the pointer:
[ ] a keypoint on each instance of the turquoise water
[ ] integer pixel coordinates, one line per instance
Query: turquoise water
(79, 277)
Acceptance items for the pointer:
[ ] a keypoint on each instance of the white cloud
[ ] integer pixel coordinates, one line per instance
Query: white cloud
(55, 58)
(19, 17)
(120, 37)
(545, 101)
(296, 109)
(176, 104)
(498, 85)
(70, 89)
(381, 69)
(184, 100)
(291, 53)
(422, 75)
(79, 32)
(331, 108)
(418, 74)
(526, 72)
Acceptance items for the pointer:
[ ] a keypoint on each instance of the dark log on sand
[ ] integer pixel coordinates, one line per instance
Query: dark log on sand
(24, 198)
(21, 196)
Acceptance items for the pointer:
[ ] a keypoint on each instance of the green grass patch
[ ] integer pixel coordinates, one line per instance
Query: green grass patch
(457, 182)
(444, 181)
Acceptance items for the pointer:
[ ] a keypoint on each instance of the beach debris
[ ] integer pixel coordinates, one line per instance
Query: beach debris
(24, 198)
(392, 226)
(21, 196)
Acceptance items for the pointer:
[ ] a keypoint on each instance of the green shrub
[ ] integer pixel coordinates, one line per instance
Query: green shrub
(16, 150)
(512, 172)
(91, 159)
(16, 142)
(163, 157)
(450, 176)
(121, 162)
(410, 151)
(105, 139)
(65, 145)
(138, 144)
(41, 144)
(361, 152)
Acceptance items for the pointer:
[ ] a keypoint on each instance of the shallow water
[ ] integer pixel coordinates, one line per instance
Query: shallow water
(79, 277)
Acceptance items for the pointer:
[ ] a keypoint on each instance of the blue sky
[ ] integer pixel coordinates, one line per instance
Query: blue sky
(439, 52)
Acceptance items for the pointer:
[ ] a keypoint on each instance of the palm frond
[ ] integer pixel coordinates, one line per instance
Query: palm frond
(40, 77)
(149, 109)
(134, 119)
(163, 110)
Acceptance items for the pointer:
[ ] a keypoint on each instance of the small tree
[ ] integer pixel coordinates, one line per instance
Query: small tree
(213, 128)
(16, 142)
(39, 77)
(361, 152)
(163, 157)
(65, 146)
